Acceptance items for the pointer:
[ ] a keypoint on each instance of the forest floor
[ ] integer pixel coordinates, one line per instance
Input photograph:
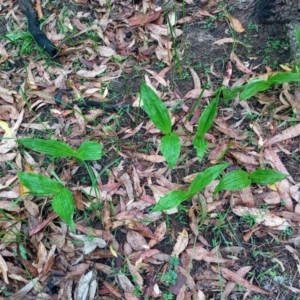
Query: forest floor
(233, 245)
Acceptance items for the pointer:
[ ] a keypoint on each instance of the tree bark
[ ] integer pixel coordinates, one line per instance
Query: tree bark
(277, 11)
(34, 27)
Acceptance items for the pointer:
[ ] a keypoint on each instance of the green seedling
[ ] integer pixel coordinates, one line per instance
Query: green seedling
(232, 181)
(159, 115)
(260, 85)
(87, 151)
(23, 39)
(176, 197)
(62, 201)
(204, 124)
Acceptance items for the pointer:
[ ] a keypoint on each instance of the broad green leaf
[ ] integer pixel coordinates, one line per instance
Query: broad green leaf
(297, 33)
(16, 35)
(170, 148)
(89, 151)
(63, 205)
(171, 200)
(50, 147)
(38, 184)
(207, 117)
(206, 177)
(235, 180)
(253, 87)
(201, 146)
(266, 176)
(156, 109)
(284, 77)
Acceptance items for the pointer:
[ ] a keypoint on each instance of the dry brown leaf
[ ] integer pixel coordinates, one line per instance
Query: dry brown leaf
(125, 180)
(157, 77)
(87, 286)
(3, 56)
(106, 51)
(151, 158)
(49, 219)
(283, 188)
(49, 261)
(247, 197)
(234, 277)
(185, 19)
(217, 153)
(91, 74)
(3, 269)
(39, 9)
(112, 289)
(142, 228)
(20, 295)
(30, 206)
(196, 79)
(262, 216)
(200, 295)
(222, 126)
(125, 283)
(145, 18)
(159, 234)
(7, 95)
(199, 253)
(163, 54)
(205, 13)
(163, 30)
(181, 243)
(195, 93)
(274, 158)
(247, 236)
(295, 192)
(9, 206)
(136, 240)
(234, 58)
(245, 158)
(149, 253)
(106, 218)
(224, 41)
(235, 24)
(42, 255)
(89, 245)
(130, 132)
(286, 134)
(135, 274)
(131, 296)
(272, 198)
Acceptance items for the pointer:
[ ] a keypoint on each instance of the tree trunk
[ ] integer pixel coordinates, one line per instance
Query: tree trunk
(277, 11)
(34, 27)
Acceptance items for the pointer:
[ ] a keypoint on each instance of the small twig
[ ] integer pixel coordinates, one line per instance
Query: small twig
(39, 9)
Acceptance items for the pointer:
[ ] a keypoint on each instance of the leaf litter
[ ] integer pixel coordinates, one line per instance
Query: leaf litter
(121, 249)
